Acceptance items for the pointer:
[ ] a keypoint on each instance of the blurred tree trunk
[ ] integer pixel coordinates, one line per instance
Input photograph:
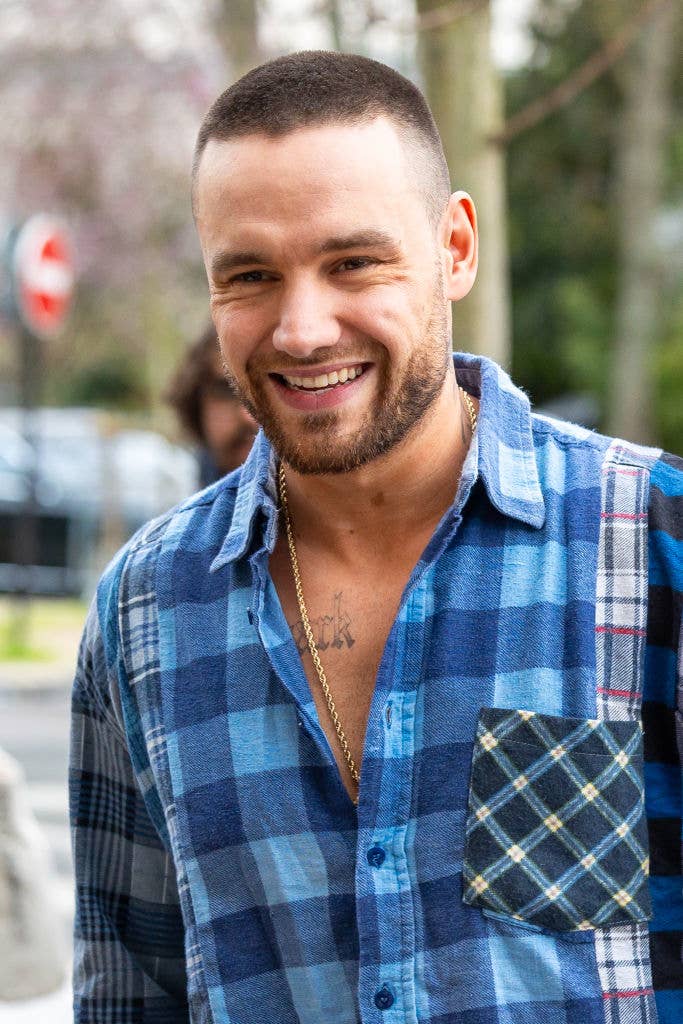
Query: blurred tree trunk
(236, 26)
(645, 76)
(466, 98)
(334, 14)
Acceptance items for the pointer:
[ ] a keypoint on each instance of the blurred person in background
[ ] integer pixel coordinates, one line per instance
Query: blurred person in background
(210, 410)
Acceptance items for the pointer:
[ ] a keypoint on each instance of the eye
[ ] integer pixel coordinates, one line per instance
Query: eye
(355, 263)
(249, 277)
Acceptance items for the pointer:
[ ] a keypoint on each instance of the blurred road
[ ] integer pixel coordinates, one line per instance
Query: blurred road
(34, 728)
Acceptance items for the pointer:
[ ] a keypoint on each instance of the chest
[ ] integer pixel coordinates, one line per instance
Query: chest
(350, 615)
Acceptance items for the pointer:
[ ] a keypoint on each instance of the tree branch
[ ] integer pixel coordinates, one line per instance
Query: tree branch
(588, 72)
(439, 17)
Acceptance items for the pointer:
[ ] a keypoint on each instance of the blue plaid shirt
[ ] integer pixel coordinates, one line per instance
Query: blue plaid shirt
(223, 873)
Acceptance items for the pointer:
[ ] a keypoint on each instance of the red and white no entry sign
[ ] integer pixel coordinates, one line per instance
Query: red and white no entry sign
(43, 275)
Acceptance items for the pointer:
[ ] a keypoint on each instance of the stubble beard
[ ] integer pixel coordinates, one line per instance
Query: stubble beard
(398, 407)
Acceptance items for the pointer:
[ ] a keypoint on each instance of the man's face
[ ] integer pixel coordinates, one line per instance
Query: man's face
(326, 288)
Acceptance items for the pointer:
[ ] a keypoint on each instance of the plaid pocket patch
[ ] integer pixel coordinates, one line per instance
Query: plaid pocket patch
(556, 833)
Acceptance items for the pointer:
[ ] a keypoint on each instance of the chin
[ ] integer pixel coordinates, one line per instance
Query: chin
(329, 456)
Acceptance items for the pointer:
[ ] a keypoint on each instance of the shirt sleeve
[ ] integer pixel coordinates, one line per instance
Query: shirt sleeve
(129, 963)
(663, 734)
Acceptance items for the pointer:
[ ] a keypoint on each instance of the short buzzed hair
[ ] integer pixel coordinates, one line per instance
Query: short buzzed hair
(320, 87)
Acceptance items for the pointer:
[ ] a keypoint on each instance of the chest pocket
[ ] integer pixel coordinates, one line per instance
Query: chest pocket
(556, 834)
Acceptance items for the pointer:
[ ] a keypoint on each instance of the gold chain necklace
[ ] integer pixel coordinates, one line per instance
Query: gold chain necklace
(303, 612)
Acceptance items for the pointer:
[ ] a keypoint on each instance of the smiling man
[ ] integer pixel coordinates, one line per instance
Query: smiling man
(357, 730)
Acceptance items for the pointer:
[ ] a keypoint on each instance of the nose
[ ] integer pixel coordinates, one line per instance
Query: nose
(307, 321)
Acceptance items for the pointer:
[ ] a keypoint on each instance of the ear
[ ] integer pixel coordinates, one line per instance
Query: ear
(461, 245)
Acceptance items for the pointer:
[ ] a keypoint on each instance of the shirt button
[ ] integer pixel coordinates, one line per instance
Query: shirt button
(384, 998)
(376, 856)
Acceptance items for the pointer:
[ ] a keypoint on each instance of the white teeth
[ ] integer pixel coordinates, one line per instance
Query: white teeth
(325, 380)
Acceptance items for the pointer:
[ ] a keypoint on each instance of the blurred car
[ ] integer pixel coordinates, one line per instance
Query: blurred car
(93, 485)
(16, 460)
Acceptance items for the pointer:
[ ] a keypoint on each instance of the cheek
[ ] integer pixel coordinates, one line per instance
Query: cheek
(390, 319)
(238, 334)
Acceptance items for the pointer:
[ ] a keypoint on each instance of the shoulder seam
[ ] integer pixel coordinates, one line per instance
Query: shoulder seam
(552, 427)
(153, 531)
(624, 453)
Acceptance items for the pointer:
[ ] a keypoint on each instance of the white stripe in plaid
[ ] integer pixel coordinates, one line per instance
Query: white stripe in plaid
(139, 626)
(623, 953)
(624, 966)
(621, 593)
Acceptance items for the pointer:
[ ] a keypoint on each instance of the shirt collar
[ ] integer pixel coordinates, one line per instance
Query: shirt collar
(256, 491)
(506, 453)
(506, 460)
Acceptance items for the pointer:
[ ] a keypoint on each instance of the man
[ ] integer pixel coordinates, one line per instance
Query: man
(210, 410)
(430, 807)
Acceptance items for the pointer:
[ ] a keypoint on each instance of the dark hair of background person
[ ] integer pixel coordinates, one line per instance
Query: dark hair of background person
(319, 87)
(196, 374)
(210, 410)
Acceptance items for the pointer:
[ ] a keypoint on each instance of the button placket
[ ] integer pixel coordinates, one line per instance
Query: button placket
(383, 869)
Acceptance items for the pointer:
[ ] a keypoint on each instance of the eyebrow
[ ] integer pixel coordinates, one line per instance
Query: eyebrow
(225, 261)
(359, 240)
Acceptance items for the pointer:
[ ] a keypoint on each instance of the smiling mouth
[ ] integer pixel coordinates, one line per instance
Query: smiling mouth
(322, 382)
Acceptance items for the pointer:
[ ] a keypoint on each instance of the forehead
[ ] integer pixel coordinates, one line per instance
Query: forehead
(336, 176)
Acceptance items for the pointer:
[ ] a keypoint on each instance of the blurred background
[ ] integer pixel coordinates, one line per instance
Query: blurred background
(564, 120)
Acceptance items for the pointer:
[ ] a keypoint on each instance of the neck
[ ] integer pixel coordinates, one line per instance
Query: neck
(402, 494)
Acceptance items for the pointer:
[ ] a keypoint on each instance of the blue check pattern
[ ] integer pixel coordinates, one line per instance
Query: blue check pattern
(223, 874)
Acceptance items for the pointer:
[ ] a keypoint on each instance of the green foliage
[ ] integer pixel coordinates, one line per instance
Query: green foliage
(562, 227)
(45, 630)
(562, 239)
(669, 378)
(110, 383)
(16, 636)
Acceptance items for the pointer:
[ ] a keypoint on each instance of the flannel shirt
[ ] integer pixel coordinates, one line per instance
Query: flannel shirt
(495, 869)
